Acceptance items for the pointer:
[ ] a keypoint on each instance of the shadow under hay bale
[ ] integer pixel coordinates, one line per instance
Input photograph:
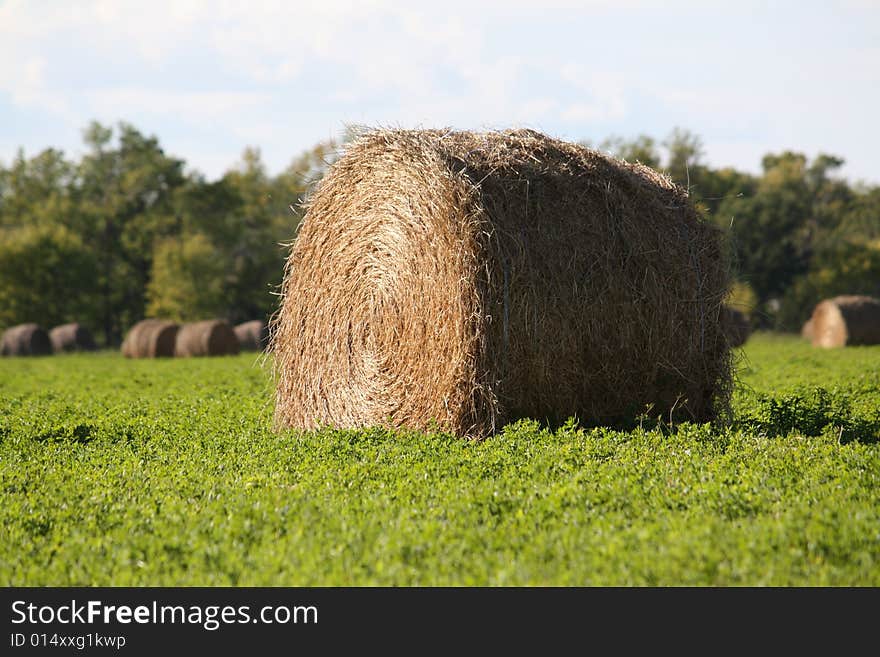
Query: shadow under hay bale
(72, 337)
(463, 280)
(252, 335)
(26, 340)
(846, 320)
(736, 326)
(150, 338)
(211, 337)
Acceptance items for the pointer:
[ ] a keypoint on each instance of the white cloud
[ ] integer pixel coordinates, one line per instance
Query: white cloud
(535, 110)
(191, 106)
(601, 95)
(590, 112)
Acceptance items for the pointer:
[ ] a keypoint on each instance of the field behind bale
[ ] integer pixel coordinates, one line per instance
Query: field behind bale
(166, 472)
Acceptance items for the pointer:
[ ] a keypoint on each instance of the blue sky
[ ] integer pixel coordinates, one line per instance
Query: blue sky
(211, 78)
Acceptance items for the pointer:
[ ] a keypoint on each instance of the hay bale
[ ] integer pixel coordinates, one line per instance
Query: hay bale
(807, 330)
(211, 337)
(150, 338)
(26, 340)
(737, 326)
(252, 335)
(846, 320)
(463, 280)
(72, 337)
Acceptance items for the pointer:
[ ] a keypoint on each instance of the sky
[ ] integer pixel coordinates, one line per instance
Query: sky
(210, 78)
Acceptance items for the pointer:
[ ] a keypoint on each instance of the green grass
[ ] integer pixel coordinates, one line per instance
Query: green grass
(117, 472)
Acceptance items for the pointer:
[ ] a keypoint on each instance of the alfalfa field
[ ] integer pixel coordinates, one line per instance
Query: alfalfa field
(119, 472)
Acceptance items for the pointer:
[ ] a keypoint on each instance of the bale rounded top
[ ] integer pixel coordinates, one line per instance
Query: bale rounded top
(210, 337)
(28, 339)
(150, 338)
(462, 280)
(72, 337)
(252, 335)
(846, 320)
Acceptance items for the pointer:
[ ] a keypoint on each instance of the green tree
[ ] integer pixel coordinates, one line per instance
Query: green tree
(188, 280)
(641, 149)
(126, 191)
(845, 246)
(39, 190)
(861, 218)
(715, 186)
(846, 267)
(684, 157)
(238, 214)
(47, 276)
(769, 228)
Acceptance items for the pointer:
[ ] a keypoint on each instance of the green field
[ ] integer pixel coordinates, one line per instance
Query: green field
(117, 472)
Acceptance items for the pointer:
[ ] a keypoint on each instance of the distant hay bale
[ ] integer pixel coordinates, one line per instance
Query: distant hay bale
(26, 340)
(463, 280)
(211, 337)
(72, 337)
(736, 325)
(252, 335)
(846, 320)
(807, 330)
(150, 338)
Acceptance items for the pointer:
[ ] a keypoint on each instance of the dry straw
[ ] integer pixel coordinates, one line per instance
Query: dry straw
(462, 280)
(72, 337)
(26, 340)
(150, 338)
(737, 326)
(210, 337)
(846, 320)
(252, 335)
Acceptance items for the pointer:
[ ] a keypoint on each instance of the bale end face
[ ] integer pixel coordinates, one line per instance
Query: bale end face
(206, 338)
(26, 340)
(807, 330)
(72, 337)
(846, 320)
(252, 335)
(150, 338)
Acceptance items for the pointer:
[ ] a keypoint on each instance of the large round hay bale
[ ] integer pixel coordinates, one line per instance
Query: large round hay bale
(150, 338)
(26, 340)
(462, 280)
(737, 326)
(211, 337)
(252, 335)
(846, 320)
(72, 337)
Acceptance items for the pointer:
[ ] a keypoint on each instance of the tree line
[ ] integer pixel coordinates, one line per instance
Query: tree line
(127, 231)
